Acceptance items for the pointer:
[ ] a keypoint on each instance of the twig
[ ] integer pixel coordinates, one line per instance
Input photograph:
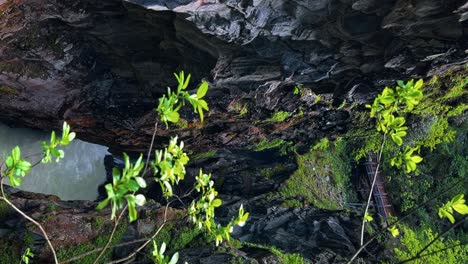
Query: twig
(111, 235)
(372, 189)
(3, 197)
(148, 156)
(147, 242)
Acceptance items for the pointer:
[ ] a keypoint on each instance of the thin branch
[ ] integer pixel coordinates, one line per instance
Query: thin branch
(404, 218)
(146, 243)
(372, 189)
(148, 156)
(111, 235)
(3, 197)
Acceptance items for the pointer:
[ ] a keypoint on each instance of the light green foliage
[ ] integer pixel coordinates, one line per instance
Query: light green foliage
(279, 116)
(283, 145)
(26, 256)
(271, 172)
(16, 167)
(408, 159)
(412, 241)
(170, 166)
(284, 258)
(170, 103)
(456, 204)
(201, 211)
(399, 100)
(100, 241)
(204, 155)
(298, 90)
(50, 149)
(368, 217)
(323, 144)
(394, 231)
(124, 185)
(160, 258)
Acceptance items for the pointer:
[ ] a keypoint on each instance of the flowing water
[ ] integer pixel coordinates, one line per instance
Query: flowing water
(75, 177)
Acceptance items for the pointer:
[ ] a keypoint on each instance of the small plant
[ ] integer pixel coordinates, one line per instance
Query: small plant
(123, 188)
(50, 149)
(279, 116)
(17, 167)
(160, 258)
(456, 204)
(26, 256)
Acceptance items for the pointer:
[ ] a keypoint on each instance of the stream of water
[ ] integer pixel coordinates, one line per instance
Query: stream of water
(75, 177)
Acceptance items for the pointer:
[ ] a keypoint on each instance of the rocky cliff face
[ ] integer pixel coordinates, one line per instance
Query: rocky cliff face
(102, 65)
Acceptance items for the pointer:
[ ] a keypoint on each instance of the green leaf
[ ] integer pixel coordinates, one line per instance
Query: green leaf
(173, 117)
(140, 199)
(394, 231)
(174, 258)
(132, 212)
(461, 208)
(368, 217)
(200, 112)
(141, 182)
(201, 92)
(397, 139)
(187, 81)
(416, 159)
(217, 203)
(103, 204)
(458, 199)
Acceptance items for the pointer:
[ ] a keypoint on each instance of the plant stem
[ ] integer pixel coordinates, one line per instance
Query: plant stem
(111, 235)
(372, 188)
(3, 197)
(148, 156)
(146, 243)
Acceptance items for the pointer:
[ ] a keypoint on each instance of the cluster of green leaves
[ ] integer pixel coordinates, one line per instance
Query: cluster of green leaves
(201, 211)
(408, 159)
(50, 149)
(170, 166)
(170, 103)
(123, 188)
(160, 258)
(26, 256)
(16, 167)
(388, 108)
(456, 204)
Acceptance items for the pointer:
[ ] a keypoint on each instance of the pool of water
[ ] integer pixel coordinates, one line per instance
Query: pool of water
(75, 177)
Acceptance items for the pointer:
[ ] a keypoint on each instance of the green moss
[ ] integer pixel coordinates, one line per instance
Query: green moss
(204, 155)
(322, 177)
(241, 108)
(279, 116)
(69, 252)
(274, 171)
(9, 252)
(264, 144)
(284, 258)
(7, 90)
(181, 124)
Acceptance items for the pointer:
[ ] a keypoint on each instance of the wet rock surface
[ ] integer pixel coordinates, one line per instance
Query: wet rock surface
(102, 65)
